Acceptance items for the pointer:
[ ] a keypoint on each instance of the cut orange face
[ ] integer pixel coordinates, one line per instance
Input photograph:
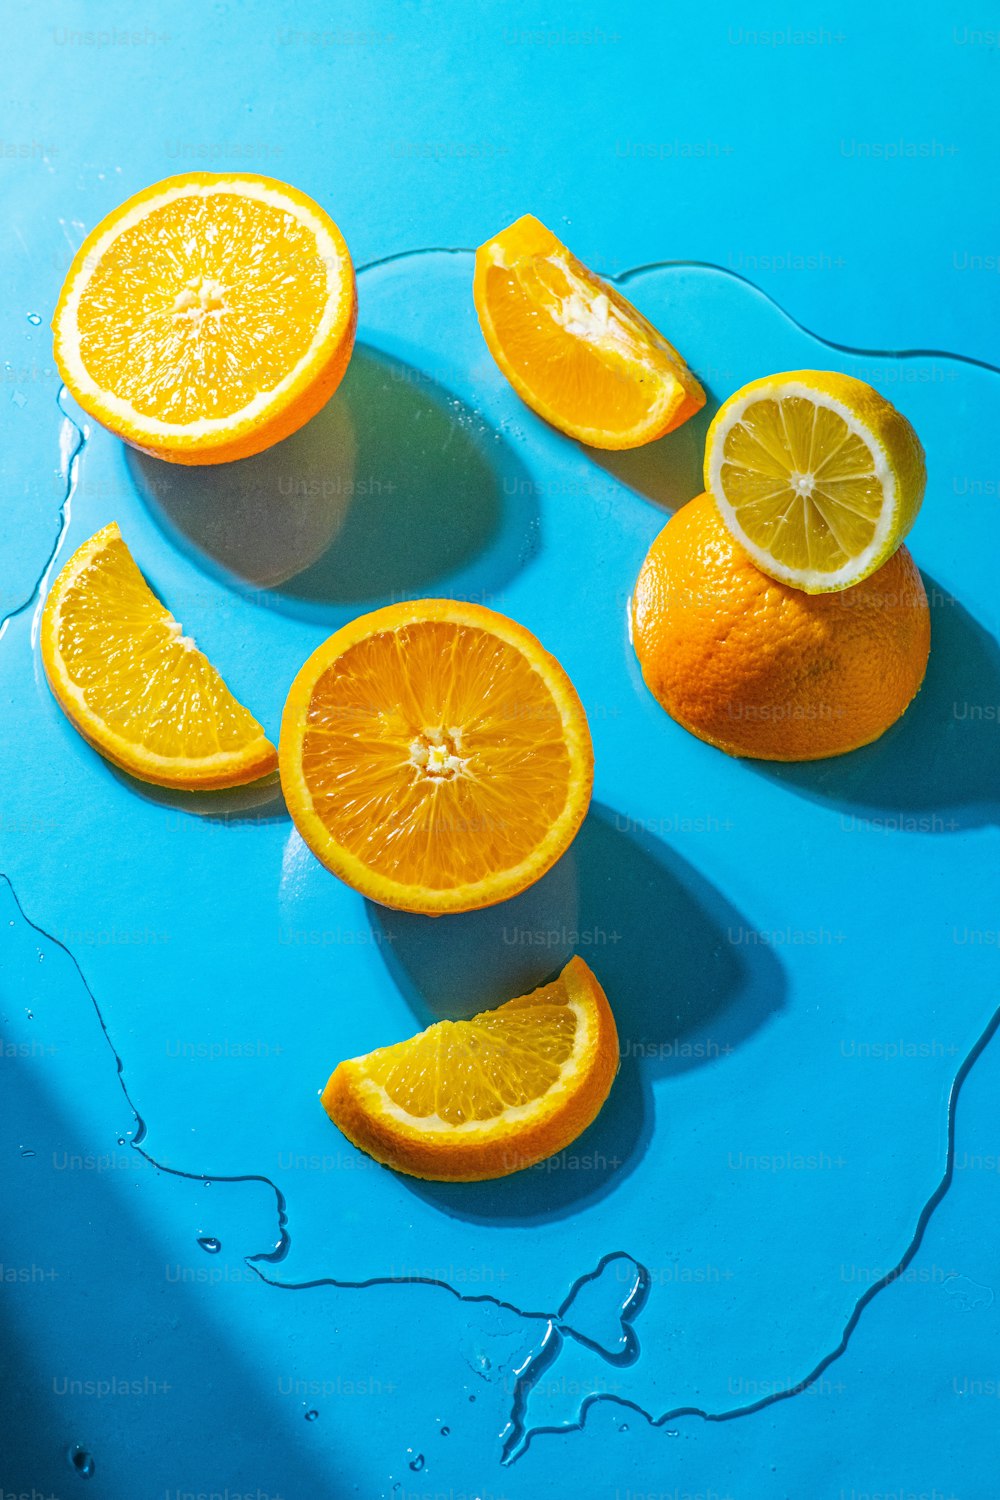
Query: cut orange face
(208, 316)
(435, 756)
(469, 1100)
(135, 686)
(573, 347)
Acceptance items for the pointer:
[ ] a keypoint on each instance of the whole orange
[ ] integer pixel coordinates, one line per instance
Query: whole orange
(764, 670)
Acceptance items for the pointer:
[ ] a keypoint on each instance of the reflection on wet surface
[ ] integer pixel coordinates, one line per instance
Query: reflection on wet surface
(396, 490)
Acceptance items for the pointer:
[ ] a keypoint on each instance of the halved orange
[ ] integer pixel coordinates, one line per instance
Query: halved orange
(135, 686)
(468, 1100)
(435, 756)
(573, 347)
(208, 316)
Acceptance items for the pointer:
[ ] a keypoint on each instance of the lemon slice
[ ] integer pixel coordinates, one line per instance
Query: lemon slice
(135, 686)
(816, 475)
(468, 1100)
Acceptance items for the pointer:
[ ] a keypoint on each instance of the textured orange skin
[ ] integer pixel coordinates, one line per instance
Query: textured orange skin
(406, 1149)
(764, 670)
(246, 438)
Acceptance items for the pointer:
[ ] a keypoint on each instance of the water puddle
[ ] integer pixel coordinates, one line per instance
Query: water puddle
(783, 1120)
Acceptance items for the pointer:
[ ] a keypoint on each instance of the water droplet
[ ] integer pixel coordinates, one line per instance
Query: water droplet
(416, 1464)
(210, 1243)
(623, 1427)
(26, 1151)
(121, 1140)
(41, 958)
(29, 1013)
(81, 1461)
(311, 1416)
(206, 1184)
(472, 1398)
(445, 1431)
(34, 318)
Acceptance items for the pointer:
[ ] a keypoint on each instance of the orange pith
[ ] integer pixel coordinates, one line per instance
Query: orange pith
(469, 1100)
(208, 316)
(762, 669)
(134, 686)
(435, 756)
(573, 347)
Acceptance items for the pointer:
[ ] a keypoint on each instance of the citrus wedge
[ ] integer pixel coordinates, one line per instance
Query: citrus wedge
(435, 756)
(816, 475)
(468, 1100)
(208, 316)
(573, 348)
(135, 686)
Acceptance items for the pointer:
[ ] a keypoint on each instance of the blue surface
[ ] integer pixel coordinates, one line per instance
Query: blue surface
(205, 1288)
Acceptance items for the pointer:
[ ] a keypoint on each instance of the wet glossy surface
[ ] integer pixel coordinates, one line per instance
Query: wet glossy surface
(204, 1285)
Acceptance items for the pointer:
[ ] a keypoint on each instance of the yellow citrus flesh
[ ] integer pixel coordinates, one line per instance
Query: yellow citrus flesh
(435, 756)
(573, 347)
(135, 686)
(208, 316)
(816, 475)
(468, 1100)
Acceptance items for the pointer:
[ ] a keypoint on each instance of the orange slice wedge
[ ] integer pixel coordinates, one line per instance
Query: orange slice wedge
(208, 316)
(468, 1100)
(135, 686)
(435, 756)
(573, 347)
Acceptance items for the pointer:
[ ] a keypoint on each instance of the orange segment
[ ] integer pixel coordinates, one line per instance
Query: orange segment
(468, 1100)
(573, 347)
(435, 756)
(208, 316)
(135, 686)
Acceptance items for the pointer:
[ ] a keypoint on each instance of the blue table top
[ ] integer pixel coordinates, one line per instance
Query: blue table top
(769, 1268)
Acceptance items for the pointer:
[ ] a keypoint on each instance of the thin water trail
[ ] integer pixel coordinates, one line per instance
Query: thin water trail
(73, 438)
(872, 1291)
(282, 1242)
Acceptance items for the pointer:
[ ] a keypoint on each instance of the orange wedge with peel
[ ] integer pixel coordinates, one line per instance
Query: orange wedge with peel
(573, 347)
(470, 1100)
(435, 756)
(135, 686)
(207, 317)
